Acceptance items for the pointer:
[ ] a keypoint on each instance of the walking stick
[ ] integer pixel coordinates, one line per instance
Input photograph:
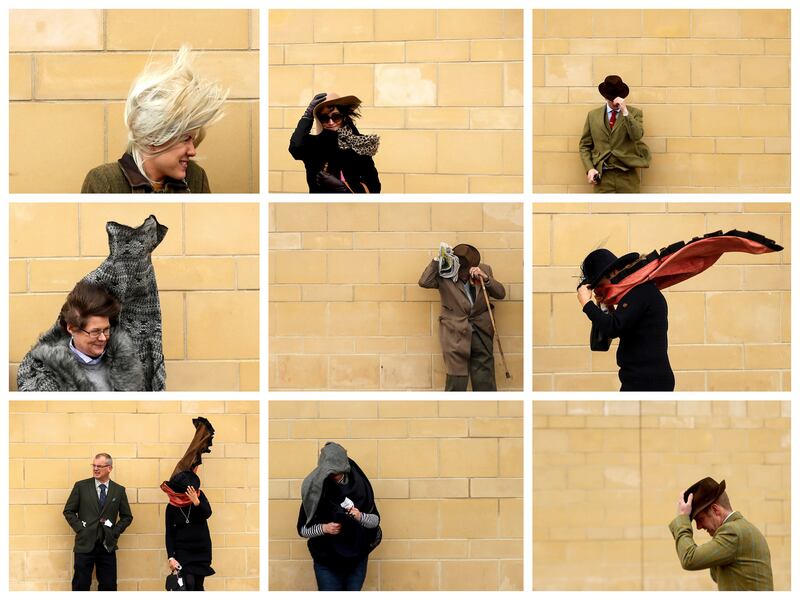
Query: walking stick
(494, 327)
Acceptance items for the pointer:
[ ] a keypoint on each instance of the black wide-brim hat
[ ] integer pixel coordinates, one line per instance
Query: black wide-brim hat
(600, 262)
(613, 87)
(706, 492)
(469, 253)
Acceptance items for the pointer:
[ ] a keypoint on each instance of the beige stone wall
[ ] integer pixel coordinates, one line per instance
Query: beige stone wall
(713, 84)
(206, 268)
(729, 327)
(51, 446)
(443, 88)
(607, 476)
(346, 311)
(69, 76)
(447, 478)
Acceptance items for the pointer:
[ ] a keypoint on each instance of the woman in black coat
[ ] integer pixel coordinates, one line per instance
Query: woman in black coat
(639, 321)
(340, 520)
(338, 159)
(187, 537)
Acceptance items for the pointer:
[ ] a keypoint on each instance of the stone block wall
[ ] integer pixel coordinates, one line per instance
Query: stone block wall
(206, 268)
(70, 72)
(714, 86)
(447, 478)
(607, 476)
(729, 327)
(346, 311)
(52, 444)
(443, 88)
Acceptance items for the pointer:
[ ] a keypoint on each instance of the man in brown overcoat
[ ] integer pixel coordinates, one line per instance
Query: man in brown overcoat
(465, 327)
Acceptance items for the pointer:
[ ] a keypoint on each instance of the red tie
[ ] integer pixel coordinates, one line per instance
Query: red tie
(612, 119)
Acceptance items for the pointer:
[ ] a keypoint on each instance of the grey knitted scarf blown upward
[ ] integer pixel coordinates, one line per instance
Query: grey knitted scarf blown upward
(128, 274)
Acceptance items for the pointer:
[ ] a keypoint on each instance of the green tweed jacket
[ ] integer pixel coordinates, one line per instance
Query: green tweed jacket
(737, 555)
(621, 147)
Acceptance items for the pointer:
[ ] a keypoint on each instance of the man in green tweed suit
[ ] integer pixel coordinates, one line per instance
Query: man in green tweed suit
(737, 555)
(611, 145)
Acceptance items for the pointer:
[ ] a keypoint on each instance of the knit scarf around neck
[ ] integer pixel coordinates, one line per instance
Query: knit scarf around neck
(361, 144)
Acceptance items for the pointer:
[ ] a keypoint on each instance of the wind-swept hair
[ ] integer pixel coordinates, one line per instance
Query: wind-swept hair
(166, 103)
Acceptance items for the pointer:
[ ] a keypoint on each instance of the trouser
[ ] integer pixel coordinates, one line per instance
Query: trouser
(481, 367)
(85, 562)
(615, 181)
(347, 578)
(194, 583)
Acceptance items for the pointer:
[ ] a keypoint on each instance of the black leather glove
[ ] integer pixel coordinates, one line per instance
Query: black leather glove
(309, 114)
(331, 183)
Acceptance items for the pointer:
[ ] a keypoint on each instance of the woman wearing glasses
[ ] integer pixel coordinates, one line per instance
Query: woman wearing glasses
(82, 351)
(338, 159)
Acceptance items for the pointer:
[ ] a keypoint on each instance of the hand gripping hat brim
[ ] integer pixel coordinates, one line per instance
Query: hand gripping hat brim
(613, 87)
(706, 492)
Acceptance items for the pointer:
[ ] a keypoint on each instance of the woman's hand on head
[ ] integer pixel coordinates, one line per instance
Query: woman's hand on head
(584, 295)
(331, 528)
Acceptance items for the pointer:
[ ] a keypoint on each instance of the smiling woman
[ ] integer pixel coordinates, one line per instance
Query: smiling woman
(166, 115)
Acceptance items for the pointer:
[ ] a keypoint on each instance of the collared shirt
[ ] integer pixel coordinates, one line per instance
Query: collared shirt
(85, 358)
(729, 515)
(97, 487)
(469, 292)
(609, 110)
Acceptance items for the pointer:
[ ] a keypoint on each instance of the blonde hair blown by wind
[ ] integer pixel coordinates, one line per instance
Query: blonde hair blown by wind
(166, 103)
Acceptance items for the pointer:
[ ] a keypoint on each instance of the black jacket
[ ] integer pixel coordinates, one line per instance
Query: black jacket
(640, 323)
(318, 150)
(189, 543)
(83, 513)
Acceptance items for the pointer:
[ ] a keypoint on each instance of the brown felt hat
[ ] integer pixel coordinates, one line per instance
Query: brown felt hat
(469, 253)
(612, 87)
(706, 492)
(336, 100)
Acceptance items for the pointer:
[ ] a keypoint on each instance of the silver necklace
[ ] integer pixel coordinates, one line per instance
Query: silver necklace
(185, 515)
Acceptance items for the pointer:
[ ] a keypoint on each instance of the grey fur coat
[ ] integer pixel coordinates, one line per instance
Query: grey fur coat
(51, 366)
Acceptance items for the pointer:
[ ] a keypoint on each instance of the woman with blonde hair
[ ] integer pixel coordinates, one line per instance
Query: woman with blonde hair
(166, 115)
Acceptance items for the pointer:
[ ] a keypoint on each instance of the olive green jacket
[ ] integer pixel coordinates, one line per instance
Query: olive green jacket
(621, 147)
(124, 177)
(737, 555)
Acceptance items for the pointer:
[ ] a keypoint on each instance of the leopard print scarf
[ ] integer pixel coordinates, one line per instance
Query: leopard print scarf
(364, 145)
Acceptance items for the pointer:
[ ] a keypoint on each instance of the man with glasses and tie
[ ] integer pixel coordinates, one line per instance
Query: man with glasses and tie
(98, 512)
(611, 145)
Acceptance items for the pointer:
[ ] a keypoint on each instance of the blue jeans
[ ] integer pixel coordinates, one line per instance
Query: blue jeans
(337, 579)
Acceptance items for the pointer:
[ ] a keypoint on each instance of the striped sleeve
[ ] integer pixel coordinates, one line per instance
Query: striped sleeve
(369, 520)
(312, 532)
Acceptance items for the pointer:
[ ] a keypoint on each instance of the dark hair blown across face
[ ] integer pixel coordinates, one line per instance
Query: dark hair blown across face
(88, 300)
(348, 111)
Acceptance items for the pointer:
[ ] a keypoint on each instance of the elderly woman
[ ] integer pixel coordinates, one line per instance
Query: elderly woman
(166, 114)
(187, 537)
(338, 159)
(83, 351)
(339, 518)
(639, 321)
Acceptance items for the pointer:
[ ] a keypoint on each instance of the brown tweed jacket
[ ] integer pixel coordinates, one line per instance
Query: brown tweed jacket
(458, 316)
(737, 555)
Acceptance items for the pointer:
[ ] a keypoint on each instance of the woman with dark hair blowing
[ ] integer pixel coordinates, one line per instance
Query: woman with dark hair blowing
(83, 351)
(337, 157)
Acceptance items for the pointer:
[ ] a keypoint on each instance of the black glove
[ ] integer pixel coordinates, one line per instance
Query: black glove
(309, 114)
(331, 183)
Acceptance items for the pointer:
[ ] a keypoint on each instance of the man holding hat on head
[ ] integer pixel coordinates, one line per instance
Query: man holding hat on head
(639, 321)
(737, 555)
(465, 327)
(611, 145)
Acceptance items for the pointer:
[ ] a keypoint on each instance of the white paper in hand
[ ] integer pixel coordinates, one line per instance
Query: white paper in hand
(347, 504)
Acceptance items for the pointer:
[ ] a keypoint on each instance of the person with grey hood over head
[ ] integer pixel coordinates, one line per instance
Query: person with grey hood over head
(339, 518)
